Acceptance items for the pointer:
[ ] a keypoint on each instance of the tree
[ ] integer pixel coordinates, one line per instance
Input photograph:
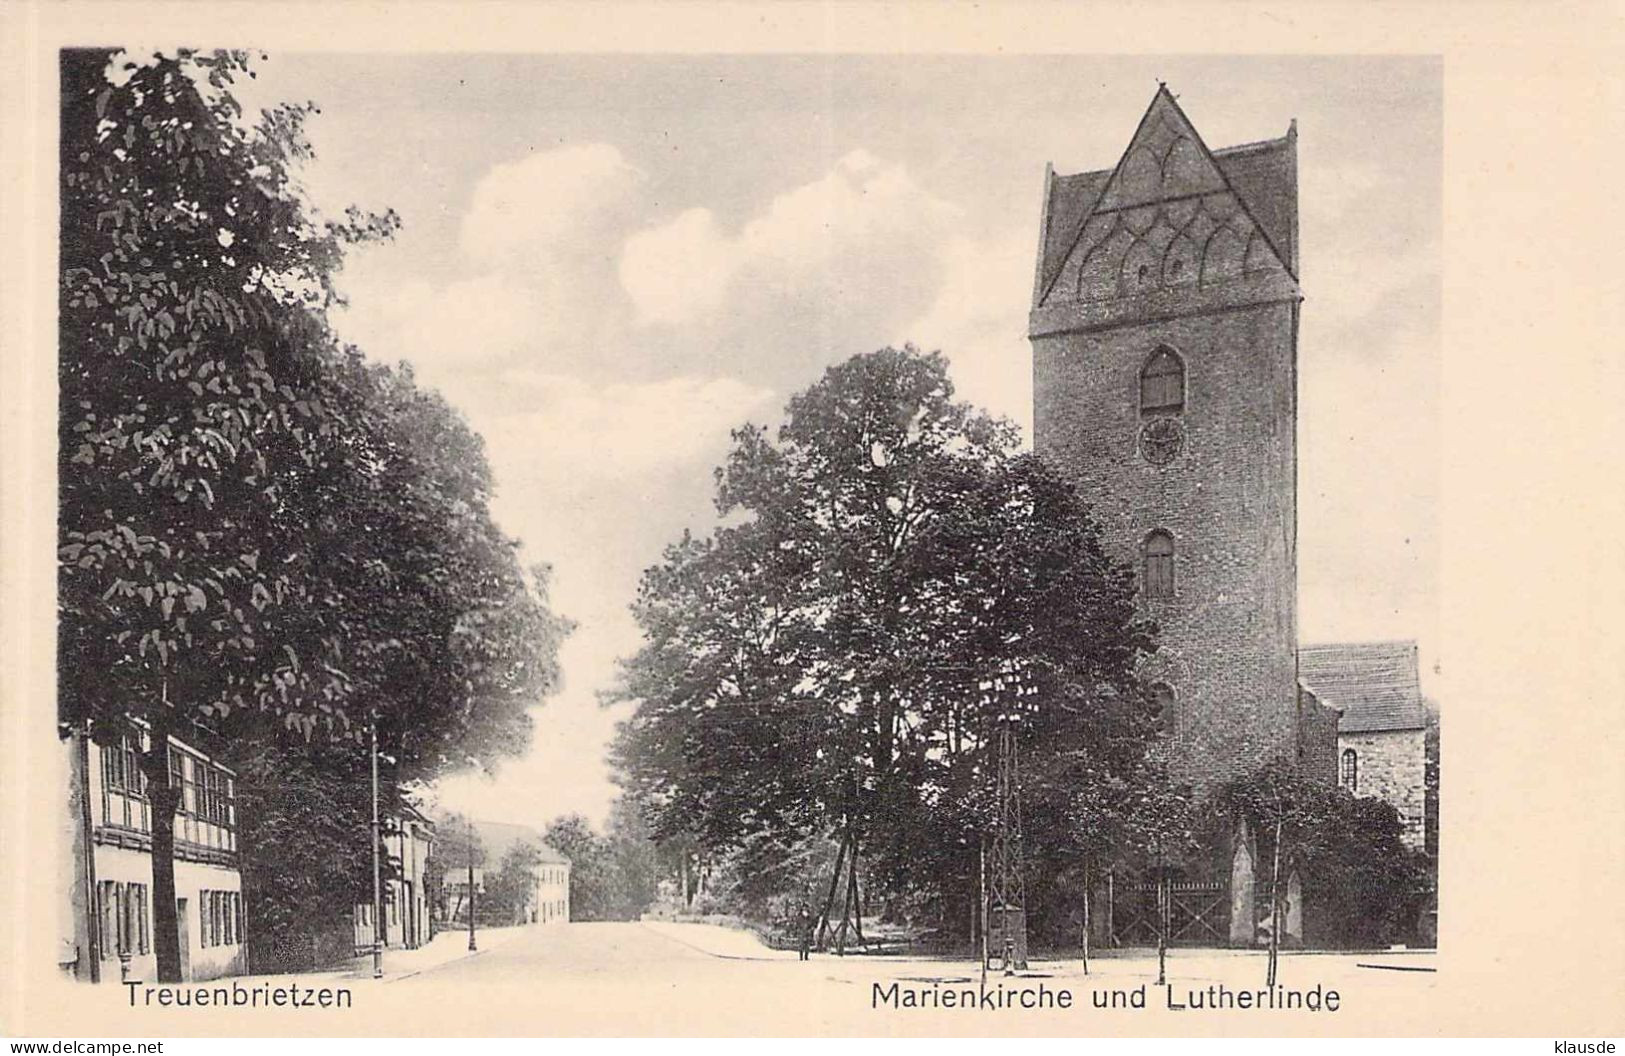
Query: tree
(1362, 881)
(819, 665)
(1096, 816)
(448, 641)
(303, 837)
(191, 336)
(257, 529)
(633, 853)
(592, 880)
(448, 644)
(457, 847)
(1160, 826)
(1292, 813)
(509, 890)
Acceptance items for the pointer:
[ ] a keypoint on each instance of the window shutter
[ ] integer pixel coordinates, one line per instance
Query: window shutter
(105, 927)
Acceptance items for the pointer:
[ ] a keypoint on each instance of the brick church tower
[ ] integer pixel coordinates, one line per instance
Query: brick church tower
(1164, 327)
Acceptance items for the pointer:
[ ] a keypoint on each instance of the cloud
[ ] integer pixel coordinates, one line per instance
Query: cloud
(577, 434)
(979, 320)
(453, 334)
(554, 204)
(679, 271)
(536, 280)
(852, 232)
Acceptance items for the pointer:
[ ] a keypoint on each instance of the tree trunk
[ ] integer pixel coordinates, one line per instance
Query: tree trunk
(1162, 925)
(857, 893)
(1086, 920)
(1275, 904)
(829, 899)
(846, 920)
(981, 906)
(975, 916)
(164, 799)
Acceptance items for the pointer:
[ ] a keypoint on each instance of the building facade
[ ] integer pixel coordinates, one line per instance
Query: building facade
(407, 897)
(1164, 327)
(1382, 724)
(547, 901)
(108, 932)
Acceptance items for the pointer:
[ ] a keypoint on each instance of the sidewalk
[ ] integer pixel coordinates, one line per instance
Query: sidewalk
(444, 948)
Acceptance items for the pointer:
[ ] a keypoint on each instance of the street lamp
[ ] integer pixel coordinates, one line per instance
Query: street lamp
(471, 944)
(377, 882)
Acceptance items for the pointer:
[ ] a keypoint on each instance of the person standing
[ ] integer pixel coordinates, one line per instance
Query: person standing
(804, 926)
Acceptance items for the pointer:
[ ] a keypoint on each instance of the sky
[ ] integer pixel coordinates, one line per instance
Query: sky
(608, 262)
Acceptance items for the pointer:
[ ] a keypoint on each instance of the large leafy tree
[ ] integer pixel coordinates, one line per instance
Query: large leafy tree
(834, 659)
(259, 531)
(447, 640)
(592, 867)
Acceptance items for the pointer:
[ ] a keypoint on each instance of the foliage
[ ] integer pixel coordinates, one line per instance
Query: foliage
(510, 889)
(891, 578)
(1362, 886)
(591, 882)
(257, 528)
(612, 877)
(633, 854)
(192, 350)
(304, 823)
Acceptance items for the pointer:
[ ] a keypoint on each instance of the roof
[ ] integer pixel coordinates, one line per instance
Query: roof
(498, 837)
(1373, 684)
(1262, 174)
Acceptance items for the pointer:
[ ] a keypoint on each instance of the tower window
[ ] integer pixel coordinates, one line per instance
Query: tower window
(1162, 383)
(1348, 770)
(1162, 706)
(1159, 565)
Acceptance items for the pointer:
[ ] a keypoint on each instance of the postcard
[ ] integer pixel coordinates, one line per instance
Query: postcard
(799, 520)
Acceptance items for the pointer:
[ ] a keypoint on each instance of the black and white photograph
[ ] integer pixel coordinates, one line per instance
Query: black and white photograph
(912, 542)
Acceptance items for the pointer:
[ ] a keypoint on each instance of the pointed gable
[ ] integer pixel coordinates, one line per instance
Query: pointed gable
(1171, 213)
(1265, 175)
(1165, 159)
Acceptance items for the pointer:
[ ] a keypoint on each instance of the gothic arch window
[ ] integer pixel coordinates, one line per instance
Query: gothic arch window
(1158, 551)
(1162, 706)
(1162, 383)
(1348, 770)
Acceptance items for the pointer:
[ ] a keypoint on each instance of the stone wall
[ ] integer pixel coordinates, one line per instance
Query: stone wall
(1317, 738)
(1391, 766)
(1229, 634)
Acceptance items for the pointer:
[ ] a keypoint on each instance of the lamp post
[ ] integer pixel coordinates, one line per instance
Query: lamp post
(471, 944)
(377, 881)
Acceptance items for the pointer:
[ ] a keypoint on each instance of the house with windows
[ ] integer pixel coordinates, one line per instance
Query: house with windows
(549, 899)
(108, 933)
(407, 901)
(1382, 723)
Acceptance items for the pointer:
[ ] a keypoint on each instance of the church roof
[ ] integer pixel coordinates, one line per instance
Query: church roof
(1373, 684)
(1263, 176)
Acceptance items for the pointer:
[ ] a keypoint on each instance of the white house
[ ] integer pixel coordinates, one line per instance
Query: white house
(549, 902)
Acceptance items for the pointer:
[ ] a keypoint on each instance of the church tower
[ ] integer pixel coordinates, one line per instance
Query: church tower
(1164, 327)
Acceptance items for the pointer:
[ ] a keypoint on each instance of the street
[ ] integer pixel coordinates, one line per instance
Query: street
(653, 976)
